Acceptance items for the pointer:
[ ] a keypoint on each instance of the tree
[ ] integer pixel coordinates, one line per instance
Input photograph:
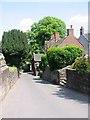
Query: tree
(34, 47)
(15, 47)
(47, 26)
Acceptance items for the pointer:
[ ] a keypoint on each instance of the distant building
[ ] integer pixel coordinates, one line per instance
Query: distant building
(70, 39)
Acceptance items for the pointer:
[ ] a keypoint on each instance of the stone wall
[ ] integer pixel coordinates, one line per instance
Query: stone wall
(70, 78)
(50, 76)
(77, 81)
(7, 79)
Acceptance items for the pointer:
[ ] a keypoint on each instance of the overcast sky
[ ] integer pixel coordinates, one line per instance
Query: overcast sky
(21, 15)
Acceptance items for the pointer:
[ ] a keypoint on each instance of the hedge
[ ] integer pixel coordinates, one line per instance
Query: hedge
(82, 65)
(61, 57)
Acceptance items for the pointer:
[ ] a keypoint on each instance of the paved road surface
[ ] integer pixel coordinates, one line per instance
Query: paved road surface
(31, 97)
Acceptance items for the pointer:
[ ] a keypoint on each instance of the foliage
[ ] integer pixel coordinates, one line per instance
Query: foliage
(81, 64)
(26, 67)
(11, 68)
(44, 62)
(34, 47)
(61, 57)
(15, 47)
(56, 58)
(47, 26)
(72, 52)
(42, 31)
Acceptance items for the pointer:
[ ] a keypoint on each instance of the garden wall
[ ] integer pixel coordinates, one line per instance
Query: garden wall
(77, 81)
(7, 79)
(50, 76)
(69, 78)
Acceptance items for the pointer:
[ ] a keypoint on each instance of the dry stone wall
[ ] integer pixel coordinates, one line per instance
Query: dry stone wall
(50, 76)
(69, 78)
(78, 81)
(7, 79)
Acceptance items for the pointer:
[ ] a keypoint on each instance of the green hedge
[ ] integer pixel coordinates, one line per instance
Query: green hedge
(82, 65)
(61, 57)
(72, 52)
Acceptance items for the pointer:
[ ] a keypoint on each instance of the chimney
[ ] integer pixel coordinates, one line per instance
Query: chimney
(81, 31)
(57, 36)
(70, 31)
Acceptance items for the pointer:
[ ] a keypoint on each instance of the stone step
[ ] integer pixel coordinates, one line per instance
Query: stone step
(63, 78)
(63, 82)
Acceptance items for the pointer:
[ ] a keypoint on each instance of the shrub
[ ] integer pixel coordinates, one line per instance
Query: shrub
(26, 67)
(56, 58)
(44, 62)
(61, 57)
(81, 65)
(72, 52)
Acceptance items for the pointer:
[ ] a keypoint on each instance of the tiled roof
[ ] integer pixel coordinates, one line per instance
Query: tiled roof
(83, 39)
(58, 42)
(87, 36)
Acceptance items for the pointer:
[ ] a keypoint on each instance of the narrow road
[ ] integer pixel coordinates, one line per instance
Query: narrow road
(31, 97)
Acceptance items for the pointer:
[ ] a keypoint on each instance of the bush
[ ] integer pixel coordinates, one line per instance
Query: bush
(44, 62)
(72, 52)
(26, 67)
(61, 57)
(56, 58)
(81, 65)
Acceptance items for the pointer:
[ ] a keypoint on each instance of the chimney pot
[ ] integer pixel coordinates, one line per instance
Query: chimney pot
(81, 31)
(71, 26)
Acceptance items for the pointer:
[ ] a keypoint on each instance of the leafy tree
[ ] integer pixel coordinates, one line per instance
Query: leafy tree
(34, 47)
(47, 26)
(15, 47)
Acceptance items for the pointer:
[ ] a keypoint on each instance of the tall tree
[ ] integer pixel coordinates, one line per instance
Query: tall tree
(15, 47)
(47, 26)
(34, 47)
